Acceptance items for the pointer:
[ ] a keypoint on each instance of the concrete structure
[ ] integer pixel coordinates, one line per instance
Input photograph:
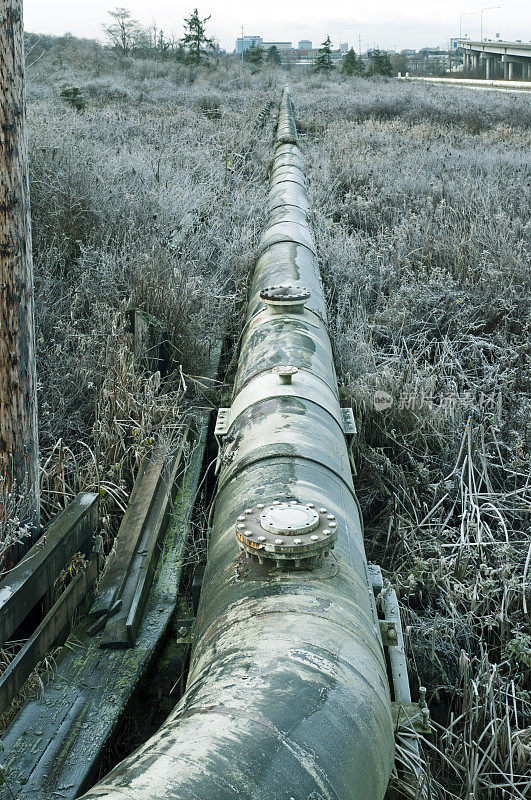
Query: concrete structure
(305, 44)
(279, 45)
(474, 83)
(243, 44)
(507, 60)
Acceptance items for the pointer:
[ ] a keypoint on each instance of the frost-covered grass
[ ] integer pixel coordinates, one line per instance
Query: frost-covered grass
(154, 195)
(422, 221)
(322, 101)
(151, 196)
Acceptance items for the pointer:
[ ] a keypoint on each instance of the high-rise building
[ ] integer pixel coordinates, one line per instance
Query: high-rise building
(344, 47)
(245, 42)
(305, 44)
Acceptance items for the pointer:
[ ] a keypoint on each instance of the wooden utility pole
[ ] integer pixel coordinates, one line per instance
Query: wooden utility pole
(18, 395)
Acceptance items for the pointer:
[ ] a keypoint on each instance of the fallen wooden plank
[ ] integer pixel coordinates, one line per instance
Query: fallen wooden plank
(53, 747)
(25, 584)
(50, 630)
(129, 535)
(121, 628)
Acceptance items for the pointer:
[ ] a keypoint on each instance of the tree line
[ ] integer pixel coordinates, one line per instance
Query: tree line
(128, 36)
(379, 62)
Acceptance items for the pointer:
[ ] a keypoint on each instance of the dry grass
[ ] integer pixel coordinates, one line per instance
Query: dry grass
(12, 531)
(150, 197)
(155, 193)
(33, 686)
(424, 238)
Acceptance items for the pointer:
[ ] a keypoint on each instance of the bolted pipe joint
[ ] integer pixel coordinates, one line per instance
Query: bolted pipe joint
(285, 297)
(287, 532)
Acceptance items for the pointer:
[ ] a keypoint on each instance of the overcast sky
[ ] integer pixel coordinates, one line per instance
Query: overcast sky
(408, 23)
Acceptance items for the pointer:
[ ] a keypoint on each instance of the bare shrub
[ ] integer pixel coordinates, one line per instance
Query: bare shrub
(358, 99)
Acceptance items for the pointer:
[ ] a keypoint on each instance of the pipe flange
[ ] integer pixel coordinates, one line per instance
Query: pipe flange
(285, 297)
(286, 531)
(290, 518)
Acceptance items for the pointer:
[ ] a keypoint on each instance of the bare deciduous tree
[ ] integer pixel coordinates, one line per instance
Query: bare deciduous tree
(124, 32)
(18, 397)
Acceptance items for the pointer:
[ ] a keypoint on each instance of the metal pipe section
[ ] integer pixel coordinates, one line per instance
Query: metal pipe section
(287, 696)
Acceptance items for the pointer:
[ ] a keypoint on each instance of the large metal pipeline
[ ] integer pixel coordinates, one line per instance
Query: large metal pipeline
(287, 695)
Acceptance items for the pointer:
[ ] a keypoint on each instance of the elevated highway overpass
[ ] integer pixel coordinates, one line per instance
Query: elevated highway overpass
(507, 60)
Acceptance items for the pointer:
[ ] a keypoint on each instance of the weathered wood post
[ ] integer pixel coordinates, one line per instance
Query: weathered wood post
(18, 396)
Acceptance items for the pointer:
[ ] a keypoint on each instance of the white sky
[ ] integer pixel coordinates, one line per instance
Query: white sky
(408, 23)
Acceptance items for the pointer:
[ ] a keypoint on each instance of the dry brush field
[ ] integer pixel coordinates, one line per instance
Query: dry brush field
(154, 194)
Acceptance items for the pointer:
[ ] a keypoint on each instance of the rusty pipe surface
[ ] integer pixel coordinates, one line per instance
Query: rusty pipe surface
(287, 695)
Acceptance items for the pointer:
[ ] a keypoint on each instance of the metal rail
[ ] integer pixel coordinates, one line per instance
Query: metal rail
(287, 694)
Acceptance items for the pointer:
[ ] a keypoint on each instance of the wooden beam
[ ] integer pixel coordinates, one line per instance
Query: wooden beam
(25, 584)
(121, 629)
(50, 630)
(129, 535)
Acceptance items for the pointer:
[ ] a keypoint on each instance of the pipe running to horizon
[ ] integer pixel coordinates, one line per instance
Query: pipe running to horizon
(287, 695)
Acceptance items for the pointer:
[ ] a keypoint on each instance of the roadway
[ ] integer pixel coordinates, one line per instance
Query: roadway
(507, 60)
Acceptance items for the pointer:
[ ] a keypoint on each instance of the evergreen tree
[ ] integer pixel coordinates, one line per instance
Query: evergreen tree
(196, 44)
(352, 64)
(254, 55)
(273, 56)
(381, 63)
(324, 59)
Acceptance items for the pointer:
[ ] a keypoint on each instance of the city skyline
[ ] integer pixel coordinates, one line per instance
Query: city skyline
(413, 27)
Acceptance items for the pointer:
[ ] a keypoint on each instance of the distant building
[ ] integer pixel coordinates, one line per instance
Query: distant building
(278, 45)
(432, 61)
(305, 53)
(243, 44)
(310, 56)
